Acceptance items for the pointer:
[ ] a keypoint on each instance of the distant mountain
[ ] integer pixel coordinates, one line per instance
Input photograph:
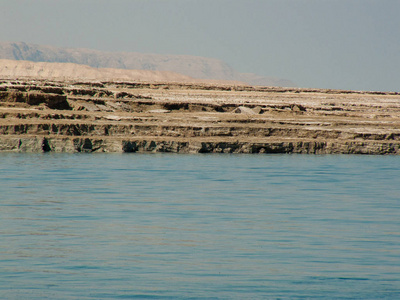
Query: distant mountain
(193, 66)
(65, 71)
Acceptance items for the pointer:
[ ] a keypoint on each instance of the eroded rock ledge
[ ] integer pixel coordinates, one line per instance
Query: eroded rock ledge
(43, 116)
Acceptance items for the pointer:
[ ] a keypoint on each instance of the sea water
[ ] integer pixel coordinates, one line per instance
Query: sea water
(155, 226)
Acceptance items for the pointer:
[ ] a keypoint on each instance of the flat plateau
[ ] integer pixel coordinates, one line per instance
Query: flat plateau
(99, 116)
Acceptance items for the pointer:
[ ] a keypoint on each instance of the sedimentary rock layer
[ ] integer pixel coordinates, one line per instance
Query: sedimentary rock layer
(55, 116)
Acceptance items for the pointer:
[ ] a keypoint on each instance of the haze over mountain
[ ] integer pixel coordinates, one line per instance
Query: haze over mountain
(193, 66)
(66, 71)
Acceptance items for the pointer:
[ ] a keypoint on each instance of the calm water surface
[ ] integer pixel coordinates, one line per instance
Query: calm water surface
(123, 226)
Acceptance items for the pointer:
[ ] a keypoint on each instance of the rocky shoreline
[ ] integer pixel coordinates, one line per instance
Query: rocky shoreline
(70, 116)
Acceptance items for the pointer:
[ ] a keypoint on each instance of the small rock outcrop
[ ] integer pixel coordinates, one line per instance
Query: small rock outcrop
(52, 101)
(244, 110)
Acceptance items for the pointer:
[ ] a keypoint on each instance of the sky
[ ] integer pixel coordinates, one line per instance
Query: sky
(339, 44)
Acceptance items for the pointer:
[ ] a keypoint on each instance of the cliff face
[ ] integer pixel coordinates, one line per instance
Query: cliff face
(70, 116)
(193, 66)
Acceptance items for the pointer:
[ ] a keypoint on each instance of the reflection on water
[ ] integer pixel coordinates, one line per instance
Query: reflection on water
(76, 226)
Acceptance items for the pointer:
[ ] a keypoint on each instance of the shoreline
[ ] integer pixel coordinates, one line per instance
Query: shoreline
(37, 144)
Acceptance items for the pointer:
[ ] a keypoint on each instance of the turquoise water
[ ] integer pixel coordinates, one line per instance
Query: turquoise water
(126, 226)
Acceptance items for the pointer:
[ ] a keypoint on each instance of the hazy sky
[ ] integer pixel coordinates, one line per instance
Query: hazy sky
(345, 44)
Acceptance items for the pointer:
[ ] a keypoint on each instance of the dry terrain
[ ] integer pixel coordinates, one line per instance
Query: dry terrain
(110, 116)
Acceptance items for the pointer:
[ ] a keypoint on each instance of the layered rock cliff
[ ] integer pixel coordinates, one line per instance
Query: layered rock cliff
(56, 116)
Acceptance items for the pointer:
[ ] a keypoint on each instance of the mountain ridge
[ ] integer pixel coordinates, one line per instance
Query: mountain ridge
(193, 66)
(24, 69)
